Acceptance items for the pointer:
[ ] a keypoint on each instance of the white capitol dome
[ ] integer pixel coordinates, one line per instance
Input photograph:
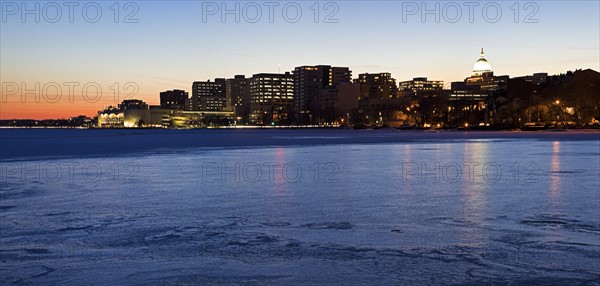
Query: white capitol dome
(482, 65)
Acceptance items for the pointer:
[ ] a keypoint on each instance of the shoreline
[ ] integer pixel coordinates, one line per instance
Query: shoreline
(474, 128)
(34, 144)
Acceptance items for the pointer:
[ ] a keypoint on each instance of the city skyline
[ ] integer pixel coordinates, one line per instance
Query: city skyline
(154, 99)
(160, 52)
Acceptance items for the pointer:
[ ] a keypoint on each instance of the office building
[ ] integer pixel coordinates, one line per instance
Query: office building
(420, 85)
(209, 95)
(271, 98)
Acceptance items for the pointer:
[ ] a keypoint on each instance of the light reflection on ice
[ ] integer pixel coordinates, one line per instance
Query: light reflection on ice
(166, 218)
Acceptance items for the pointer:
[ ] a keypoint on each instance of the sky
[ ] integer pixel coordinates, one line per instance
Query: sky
(136, 49)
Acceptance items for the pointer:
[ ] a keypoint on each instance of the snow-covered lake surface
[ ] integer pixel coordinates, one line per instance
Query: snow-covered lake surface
(298, 207)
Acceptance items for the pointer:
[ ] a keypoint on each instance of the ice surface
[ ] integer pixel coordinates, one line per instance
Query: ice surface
(298, 207)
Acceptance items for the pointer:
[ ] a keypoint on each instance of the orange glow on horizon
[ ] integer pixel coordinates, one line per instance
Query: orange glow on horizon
(13, 109)
(41, 111)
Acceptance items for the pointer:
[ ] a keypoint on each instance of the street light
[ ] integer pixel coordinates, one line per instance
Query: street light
(558, 116)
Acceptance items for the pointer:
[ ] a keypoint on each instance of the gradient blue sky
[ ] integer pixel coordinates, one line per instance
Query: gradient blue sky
(171, 46)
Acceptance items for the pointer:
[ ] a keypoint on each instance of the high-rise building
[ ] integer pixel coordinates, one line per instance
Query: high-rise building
(238, 97)
(309, 82)
(209, 96)
(174, 99)
(378, 99)
(376, 86)
(271, 98)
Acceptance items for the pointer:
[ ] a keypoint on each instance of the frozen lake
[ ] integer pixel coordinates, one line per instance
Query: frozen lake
(298, 207)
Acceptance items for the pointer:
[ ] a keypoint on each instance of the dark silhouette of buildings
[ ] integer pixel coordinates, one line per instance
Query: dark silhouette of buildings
(309, 83)
(378, 97)
(339, 103)
(238, 97)
(133, 104)
(536, 78)
(174, 99)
